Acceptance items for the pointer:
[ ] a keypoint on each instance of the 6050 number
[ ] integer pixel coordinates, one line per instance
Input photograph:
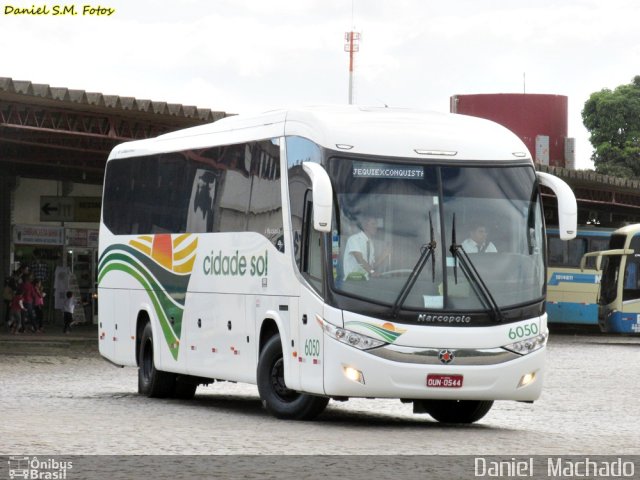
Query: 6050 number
(312, 348)
(523, 331)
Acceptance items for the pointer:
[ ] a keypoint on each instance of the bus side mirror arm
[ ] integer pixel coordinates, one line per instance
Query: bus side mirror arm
(583, 260)
(322, 196)
(602, 253)
(567, 206)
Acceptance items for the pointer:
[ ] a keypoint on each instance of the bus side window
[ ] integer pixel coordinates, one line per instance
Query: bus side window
(631, 288)
(299, 150)
(311, 247)
(576, 249)
(556, 251)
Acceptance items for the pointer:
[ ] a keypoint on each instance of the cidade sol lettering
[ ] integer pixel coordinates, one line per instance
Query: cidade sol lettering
(236, 264)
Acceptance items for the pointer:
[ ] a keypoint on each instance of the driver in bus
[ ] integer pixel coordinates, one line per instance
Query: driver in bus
(360, 260)
(477, 241)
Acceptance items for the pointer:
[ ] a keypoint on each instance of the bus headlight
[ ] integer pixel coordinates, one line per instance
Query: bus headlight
(349, 337)
(523, 347)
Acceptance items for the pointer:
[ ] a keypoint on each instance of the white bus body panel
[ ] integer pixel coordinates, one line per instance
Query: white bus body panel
(206, 346)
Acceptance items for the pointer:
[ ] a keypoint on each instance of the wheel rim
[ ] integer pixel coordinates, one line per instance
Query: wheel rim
(147, 360)
(277, 382)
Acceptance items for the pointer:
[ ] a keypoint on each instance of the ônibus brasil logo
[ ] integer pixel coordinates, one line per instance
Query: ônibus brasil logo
(35, 468)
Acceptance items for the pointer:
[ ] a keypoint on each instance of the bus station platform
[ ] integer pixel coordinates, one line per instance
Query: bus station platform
(83, 339)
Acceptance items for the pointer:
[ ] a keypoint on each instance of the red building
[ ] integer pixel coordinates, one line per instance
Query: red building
(541, 121)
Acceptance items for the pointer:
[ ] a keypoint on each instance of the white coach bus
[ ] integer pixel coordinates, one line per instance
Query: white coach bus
(330, 252)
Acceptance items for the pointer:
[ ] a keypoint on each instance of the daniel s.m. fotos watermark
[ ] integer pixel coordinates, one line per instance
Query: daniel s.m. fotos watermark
(57, 10)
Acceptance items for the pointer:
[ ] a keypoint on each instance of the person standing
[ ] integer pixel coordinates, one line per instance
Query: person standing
(28, 298)
(68, 308)
(38, 304)
(17, 311)
(7, 296)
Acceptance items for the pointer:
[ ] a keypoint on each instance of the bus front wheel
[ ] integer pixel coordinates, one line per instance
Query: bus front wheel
(151, 381)
(456, 411)
(278, 400)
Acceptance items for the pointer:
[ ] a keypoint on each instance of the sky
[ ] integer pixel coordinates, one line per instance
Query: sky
(243, 56)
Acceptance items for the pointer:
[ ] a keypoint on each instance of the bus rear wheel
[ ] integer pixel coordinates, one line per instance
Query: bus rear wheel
(457, 411)
(277, 399)
(151, 381)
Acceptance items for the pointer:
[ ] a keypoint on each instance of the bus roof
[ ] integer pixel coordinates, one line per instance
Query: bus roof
(390, 132)
(628, 229)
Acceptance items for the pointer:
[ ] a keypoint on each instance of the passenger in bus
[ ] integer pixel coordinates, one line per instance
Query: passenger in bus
(478, 241)
(360, 262)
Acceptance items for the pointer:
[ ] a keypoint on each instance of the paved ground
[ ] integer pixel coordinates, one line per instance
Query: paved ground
(66, 400)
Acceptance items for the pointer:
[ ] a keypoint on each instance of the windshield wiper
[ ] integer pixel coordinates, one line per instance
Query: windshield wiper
(479, 287)
(426, 252)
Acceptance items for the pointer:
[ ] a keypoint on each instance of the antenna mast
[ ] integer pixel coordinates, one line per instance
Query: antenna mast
(352, 45)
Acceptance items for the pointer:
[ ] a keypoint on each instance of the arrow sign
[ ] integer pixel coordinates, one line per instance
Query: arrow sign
(47, 208)
(56, 209)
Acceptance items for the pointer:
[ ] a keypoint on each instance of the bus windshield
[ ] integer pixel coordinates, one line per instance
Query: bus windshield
(392, 243)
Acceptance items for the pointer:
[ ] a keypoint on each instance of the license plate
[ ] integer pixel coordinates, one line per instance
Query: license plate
(444, 381)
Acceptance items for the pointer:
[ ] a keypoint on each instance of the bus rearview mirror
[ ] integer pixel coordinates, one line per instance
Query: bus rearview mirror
(322, 196)
(567, 206)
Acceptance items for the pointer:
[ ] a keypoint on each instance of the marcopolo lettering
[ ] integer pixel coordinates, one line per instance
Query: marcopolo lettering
(428, 318)
(235, 264)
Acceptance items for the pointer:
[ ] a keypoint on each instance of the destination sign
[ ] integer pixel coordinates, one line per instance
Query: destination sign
(378, 170)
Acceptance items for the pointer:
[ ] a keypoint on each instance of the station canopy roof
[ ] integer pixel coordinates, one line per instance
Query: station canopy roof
(67, 134)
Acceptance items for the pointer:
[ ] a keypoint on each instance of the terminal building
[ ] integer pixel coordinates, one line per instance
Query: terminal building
(54, 142)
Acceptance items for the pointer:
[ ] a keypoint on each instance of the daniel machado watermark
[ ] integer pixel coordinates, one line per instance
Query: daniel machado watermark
(565, 467)
(41, 468)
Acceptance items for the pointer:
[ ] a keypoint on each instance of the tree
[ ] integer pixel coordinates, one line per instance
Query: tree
(613, 120)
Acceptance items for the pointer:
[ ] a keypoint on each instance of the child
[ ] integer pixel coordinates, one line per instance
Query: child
(69, 306)
(17, 309)
(38, 304)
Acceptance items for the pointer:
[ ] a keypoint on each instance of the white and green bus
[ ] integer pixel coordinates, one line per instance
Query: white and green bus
(229, 251)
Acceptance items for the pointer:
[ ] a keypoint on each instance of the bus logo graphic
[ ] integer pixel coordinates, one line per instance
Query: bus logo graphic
(18, 467)
(446, 356)
(162, 265)
(387, 331)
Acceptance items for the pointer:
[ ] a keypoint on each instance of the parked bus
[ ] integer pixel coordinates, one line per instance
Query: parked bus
(321, 253)
(572, 293)
(619, 298)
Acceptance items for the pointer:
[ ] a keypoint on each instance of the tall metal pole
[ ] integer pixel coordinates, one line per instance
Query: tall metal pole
(351, 46)
(351, 68)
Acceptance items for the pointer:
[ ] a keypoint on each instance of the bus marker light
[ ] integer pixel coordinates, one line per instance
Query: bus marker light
(527, 379)
(295, 354)
(442, 153)
(353, 374)
(213, 350)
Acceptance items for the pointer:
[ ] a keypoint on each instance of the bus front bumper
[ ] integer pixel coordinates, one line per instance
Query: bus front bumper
(454, 374)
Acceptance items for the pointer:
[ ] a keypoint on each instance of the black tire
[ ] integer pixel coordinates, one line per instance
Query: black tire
(151, 381)
(276, 397)
(185, 387)
(457, 411)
